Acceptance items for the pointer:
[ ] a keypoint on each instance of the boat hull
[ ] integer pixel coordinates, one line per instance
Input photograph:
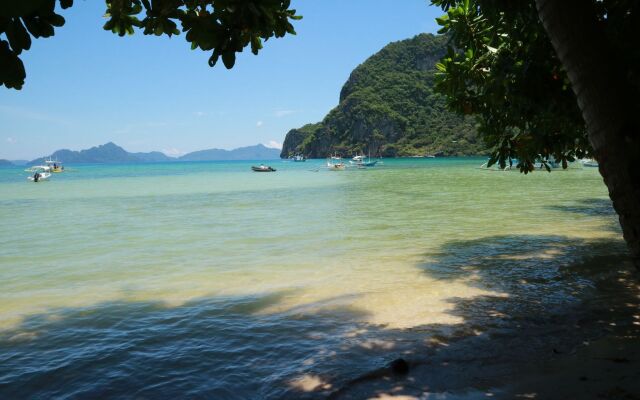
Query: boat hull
(42, 177)
(263, 169)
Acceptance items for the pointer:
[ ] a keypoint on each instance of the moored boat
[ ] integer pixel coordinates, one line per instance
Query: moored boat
(40, 173)
(589, 162)
(55, 165)
(263, 168)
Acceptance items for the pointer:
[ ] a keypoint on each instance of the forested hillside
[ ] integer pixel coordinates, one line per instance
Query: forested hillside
(388, 107)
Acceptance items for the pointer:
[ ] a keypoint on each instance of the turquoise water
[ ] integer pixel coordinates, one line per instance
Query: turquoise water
(208, 280)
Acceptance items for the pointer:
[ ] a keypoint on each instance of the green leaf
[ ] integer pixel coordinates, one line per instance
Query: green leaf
(18, 36)
(229, 59)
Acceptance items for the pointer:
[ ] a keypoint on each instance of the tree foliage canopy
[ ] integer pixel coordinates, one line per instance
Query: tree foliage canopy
(223, 27)
(502, 68)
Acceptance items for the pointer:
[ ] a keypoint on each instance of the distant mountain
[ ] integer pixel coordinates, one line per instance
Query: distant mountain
(106, 153)
(6, 163)
(153, 156)
(19, 162)
(257, 152)
(112, 153)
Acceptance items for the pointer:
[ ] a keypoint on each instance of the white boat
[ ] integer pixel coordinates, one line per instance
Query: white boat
(38, 168)
(361, 161)
(40, 173)
(298, 158)
(589, 162)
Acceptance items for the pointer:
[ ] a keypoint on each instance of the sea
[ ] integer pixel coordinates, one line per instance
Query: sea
(207, 280)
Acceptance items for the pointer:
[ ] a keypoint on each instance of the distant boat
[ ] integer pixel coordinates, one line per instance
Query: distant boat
(335, 166)
(589, 162)
(298, 158)
(359, 161)
(263, 168)
(55, 165)
(40, 173)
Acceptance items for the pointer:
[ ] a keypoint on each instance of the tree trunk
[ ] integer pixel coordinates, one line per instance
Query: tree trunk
(606, 101)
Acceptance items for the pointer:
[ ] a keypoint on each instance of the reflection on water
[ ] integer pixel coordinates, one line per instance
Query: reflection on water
(213, 282)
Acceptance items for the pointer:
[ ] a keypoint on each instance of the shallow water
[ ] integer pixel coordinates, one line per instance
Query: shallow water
(207, 280)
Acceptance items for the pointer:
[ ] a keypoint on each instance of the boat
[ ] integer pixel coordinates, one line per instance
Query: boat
(339, 166)
(298, 158)
(55, 165)
(359, 161)
(40, 173)
(589, 162)
(263, 168)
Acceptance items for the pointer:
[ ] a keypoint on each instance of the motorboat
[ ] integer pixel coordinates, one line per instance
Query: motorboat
(263, 168)
(38, 168)
(40, 173)
(298, 158)
(589, 162)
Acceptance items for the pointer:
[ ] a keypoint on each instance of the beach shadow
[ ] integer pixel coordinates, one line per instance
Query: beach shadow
(219, 347)
(553, 294)
(542, 289)
(590, 207)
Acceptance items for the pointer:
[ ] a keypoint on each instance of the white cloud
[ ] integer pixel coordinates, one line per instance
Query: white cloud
(199, 113)
(11, 140)
(259, 124)
(283, 113)
(173, 152)
(274, 145)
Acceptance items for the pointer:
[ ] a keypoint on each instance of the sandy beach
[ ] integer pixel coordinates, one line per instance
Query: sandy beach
(591, 351)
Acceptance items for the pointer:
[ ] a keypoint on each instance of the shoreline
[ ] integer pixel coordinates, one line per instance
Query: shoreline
(591, 351)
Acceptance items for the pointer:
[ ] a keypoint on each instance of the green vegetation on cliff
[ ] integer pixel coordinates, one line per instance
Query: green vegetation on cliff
(388, 107)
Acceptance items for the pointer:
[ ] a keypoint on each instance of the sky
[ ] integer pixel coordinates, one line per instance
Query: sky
(86, 86)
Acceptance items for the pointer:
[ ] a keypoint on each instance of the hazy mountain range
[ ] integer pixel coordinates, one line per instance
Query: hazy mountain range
(112, 153)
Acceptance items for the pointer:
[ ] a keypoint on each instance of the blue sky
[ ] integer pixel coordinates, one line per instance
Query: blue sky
(86, 86)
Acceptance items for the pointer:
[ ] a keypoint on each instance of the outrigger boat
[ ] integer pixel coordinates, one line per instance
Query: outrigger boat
(263, 168)
(361, 161)
(55, 165)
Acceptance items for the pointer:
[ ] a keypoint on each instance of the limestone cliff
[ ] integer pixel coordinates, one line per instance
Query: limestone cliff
(388, 107)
